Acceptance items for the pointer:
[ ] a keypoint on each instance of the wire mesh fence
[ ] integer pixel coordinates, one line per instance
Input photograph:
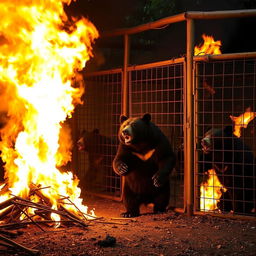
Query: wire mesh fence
(158, 90)
(224, 129)
(225, 165)
(98, 122)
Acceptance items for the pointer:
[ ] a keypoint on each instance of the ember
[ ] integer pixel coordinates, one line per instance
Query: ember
(41, 52)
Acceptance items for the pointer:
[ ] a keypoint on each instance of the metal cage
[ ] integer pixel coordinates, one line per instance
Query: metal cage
(196, 101)
(225, 166)
(99, 117)
(158, 89)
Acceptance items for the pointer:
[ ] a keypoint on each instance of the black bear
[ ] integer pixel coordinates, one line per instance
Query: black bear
(100, 149)
(145, 158)
(234, 164)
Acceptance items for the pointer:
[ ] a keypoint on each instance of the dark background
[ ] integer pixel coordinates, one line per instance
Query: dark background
(236, 35)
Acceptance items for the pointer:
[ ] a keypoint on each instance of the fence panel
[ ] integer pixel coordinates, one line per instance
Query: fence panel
(225, 166)
(158, 90)
(99, 116)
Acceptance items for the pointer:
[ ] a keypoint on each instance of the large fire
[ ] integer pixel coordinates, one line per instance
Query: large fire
(211, 192)
(41, 51)
(242, 121)
(208, 47)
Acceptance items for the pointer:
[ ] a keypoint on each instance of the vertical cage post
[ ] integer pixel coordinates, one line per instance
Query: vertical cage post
(188, 143)
(125, 91)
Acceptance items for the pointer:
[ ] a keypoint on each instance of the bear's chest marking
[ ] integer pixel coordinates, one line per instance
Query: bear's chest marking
(144, 157)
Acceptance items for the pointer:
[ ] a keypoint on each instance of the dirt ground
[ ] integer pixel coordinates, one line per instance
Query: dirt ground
(147, 235)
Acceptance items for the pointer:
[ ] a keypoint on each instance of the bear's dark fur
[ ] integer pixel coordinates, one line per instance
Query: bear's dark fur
(145, 158)
(98, 148)
(234, 164)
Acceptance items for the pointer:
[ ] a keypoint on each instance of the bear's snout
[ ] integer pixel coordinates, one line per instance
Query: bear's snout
(127, 135)
(206, 145)
(126, 132)
(80, 144)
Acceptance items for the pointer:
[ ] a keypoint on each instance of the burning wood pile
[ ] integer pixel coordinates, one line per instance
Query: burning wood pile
(18, 211)
(41, 52)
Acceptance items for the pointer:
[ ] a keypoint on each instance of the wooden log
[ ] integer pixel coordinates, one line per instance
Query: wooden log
(11, 234)
(6, 245)
(5, 189)
(73, 216)
(19, 246)
(14, 215)
(15, 225)
(82, 213)
(21, 209)
(65, 213)
(34, 190)
(43, 214)
(6, 212)
(25, 223)
(6, 203)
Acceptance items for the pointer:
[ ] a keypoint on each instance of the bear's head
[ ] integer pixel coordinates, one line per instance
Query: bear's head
(88, 140)
(217, 139)
(137, 132)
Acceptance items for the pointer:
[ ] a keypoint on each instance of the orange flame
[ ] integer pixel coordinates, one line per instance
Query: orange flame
(242, 121)
(208, 47)
(210, 192)
(41, 51)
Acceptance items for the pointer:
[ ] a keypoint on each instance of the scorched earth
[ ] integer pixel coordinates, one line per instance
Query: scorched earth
(150, 235)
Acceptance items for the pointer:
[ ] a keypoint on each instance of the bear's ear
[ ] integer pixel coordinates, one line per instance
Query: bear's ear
(146, 118)
(123, 118)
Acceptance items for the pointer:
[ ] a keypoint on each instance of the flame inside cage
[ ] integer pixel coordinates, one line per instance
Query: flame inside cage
(42, 51)
(211, 192)
(242, 121)
(209, 46)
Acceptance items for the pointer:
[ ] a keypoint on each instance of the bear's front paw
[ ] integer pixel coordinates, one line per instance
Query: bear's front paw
(156, 181)
(129, 214)
(122, 168)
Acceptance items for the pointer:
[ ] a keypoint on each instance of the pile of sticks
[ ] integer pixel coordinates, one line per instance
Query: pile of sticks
(12, 209)
(15, 213)
(14, 246)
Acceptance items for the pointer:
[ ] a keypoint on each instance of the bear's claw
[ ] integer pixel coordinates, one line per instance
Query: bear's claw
(122, 168)
(129, 214)
(156, 181)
